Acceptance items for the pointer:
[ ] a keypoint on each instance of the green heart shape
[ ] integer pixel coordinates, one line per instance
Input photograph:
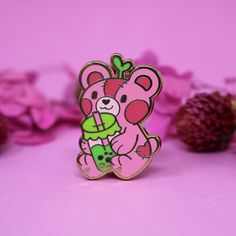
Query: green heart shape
(121, 65)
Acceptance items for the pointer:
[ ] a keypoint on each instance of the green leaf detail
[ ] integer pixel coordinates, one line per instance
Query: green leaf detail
(121, 65)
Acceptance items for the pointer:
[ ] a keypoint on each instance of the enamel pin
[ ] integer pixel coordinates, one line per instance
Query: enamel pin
(115, 101)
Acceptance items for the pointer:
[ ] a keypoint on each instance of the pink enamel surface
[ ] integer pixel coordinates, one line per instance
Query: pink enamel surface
(155, 82)
(129, 144)
(182, 193)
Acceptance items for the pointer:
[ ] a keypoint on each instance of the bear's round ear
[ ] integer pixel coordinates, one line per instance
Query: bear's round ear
(93, 72)
(147, 78)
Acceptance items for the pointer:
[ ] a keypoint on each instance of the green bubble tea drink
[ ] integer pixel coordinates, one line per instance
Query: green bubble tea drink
(98, 129)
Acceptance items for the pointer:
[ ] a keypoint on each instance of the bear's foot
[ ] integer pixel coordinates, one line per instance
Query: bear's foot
(88, 167)
(126, 167)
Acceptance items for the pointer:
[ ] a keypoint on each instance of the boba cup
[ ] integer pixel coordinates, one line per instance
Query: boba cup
(98, 130)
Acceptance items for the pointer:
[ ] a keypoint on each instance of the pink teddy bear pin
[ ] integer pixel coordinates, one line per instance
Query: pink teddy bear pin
(115, 101)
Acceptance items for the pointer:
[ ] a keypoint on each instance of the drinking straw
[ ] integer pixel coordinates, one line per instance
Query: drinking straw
(100, 126)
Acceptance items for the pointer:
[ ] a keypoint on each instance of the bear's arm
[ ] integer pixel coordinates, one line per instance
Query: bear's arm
(124, 143)
(84, 146)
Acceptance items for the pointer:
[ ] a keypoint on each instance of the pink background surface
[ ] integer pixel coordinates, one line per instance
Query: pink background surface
(41, 191)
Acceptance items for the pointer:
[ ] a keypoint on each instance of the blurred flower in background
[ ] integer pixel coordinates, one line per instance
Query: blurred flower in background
(29, 117)
(176, 87)
(3, 130)
(179, 87)
(206, 122)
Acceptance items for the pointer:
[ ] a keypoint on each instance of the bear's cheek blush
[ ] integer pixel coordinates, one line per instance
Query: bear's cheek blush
(86, 106)
(136, 111)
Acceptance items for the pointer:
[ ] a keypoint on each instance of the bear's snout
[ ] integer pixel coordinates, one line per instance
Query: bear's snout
(108, 105)
(105, 101)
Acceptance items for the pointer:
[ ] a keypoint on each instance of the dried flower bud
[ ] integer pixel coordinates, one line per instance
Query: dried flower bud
(3, 130)
(206, 122)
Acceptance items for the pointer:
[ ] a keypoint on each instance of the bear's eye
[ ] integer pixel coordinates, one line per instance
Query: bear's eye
(123, 99)
(94, 94)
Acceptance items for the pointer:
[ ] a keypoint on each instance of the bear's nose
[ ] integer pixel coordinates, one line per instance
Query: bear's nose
(105, 101)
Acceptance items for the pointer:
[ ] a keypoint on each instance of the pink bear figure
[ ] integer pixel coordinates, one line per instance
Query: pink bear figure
(128, 94)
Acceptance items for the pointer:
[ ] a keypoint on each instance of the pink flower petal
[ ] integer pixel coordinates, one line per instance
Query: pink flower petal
(25, 120)
(68, 113)
(147, 58)
(167, 70)
(21, 93)
(11, 109)
(166, 104)
(44, 117)
(70, 92)
(11, 91)
(30, 137)
(177, 87)
(16, 76)
(158, 124)
(31, 99)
